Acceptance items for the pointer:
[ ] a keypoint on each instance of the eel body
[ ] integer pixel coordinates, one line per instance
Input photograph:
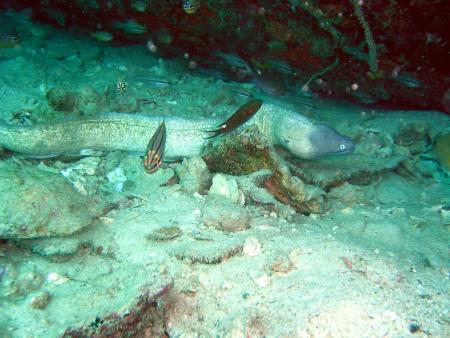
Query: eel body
(185, 138)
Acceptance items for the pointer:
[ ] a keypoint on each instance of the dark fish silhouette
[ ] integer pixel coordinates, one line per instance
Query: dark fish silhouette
(268, 80)
(155, 149)
(242, 115)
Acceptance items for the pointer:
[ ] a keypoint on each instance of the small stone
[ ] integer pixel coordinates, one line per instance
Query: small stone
(197, 213)
(106, 220)
(40, 301)
(252, 247)
(204, 280)
(225, 186)
(56, 279)
(265, 227)
(347, 211)
(198, 196)
(262, 281)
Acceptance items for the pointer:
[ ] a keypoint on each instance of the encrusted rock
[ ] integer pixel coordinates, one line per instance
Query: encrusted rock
(226, 186)
(239, 154)
(193, 174)
(53, 246)
(211, 247)
(252, 187)
(37, 203)
(165, 233)
(40, 300)
(225, 216)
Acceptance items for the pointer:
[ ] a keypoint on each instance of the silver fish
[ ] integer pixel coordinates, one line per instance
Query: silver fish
(364, 96)
(408, 80)
(130, 27)
(154, 82)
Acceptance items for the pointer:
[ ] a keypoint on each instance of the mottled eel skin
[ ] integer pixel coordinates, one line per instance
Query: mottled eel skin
(185, 138)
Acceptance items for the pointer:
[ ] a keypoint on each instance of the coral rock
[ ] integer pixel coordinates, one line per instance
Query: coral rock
(193, 174)
(225, 186)
(38, 203)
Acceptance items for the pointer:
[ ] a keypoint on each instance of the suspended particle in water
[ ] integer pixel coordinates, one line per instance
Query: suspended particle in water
(192, 64)
(151, 46)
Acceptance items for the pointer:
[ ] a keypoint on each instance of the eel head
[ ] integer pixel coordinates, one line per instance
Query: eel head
(327, 141)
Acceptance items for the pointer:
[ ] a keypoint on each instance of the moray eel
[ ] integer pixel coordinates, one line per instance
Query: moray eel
(306, 139)
(185, 138)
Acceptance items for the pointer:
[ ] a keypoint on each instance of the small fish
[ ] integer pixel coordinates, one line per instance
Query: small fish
(130, 27)
(9, 41)
(55, 15)
(139, 5)
(155, 149)
(279, 65)
(242, 115)
(267, 80)
(121, 86)
(191, 6)
(102, 36)
(364, 96)
(154, 82)
(242, 92)
(408, 80)
(232, 59)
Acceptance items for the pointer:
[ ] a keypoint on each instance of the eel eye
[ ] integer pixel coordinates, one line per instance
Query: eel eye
(342, 147)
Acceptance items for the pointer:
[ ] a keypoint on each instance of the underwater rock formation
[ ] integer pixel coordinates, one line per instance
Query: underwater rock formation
(37, 203)
(193, 175)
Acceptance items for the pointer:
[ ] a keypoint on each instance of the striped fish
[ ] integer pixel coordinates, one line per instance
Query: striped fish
(155, 149)
(190, 6)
